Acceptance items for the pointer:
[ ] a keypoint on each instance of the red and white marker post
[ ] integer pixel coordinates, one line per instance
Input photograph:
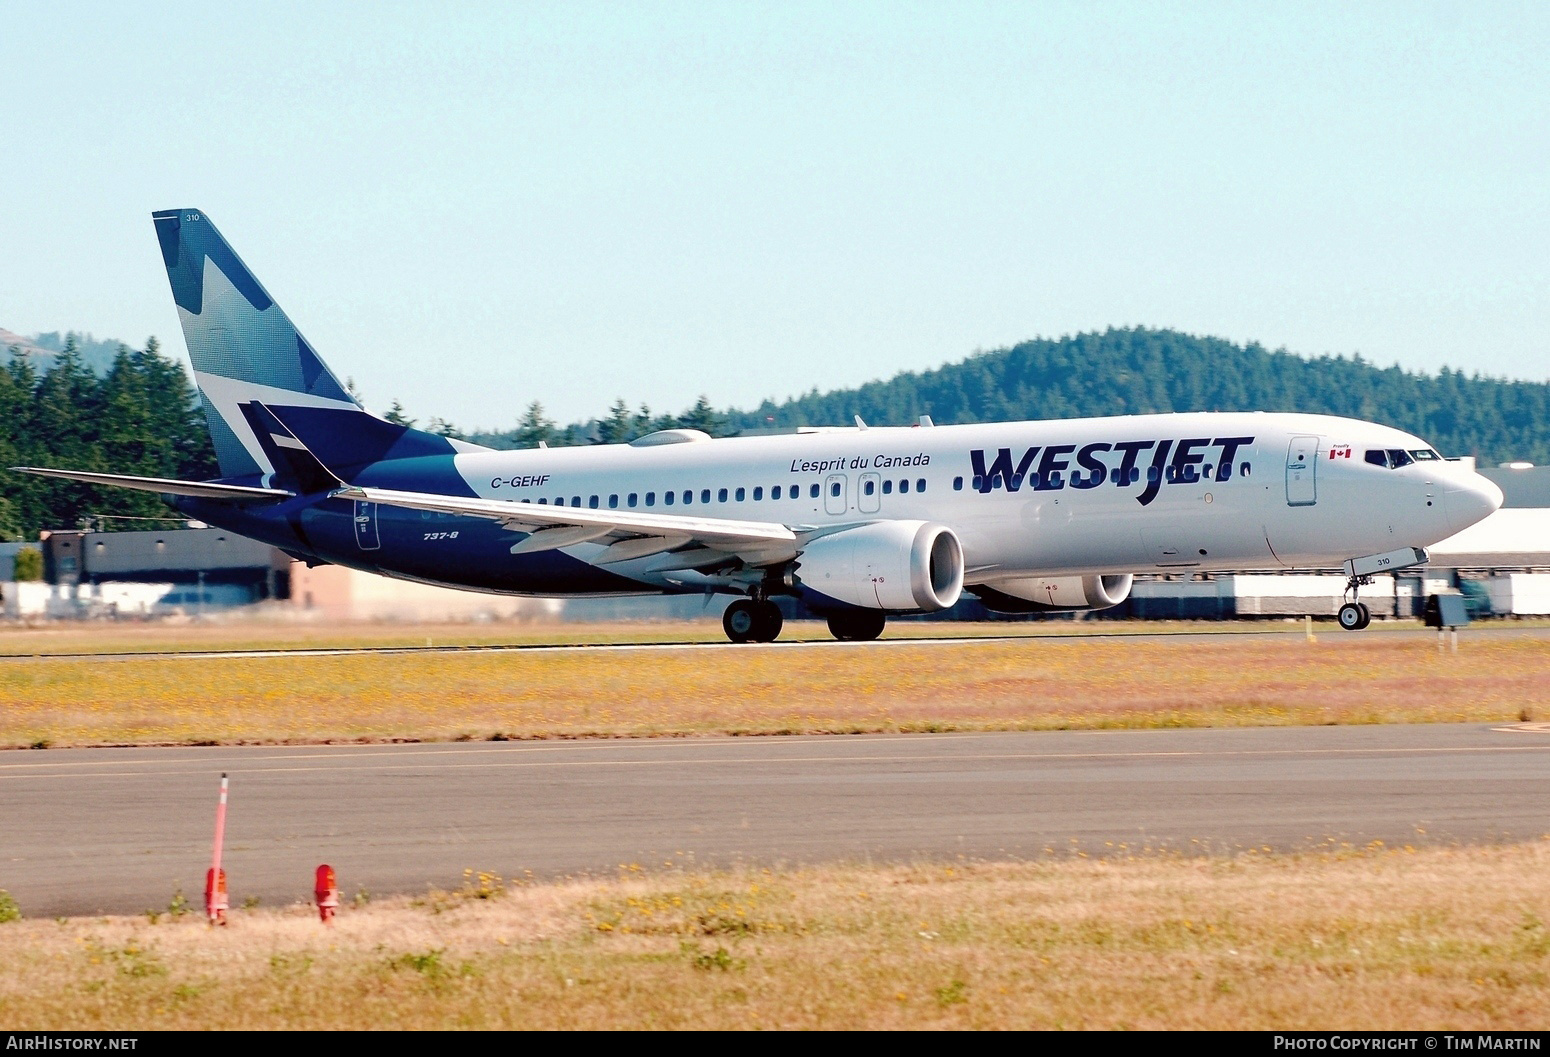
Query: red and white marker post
(326, 888)
(216, 902)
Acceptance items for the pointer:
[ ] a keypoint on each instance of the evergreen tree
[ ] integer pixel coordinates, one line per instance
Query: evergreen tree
(534, 428)
(617, 427)
(702, 416)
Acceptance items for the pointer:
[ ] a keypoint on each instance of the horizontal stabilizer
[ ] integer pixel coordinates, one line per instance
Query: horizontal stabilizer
(162, 485)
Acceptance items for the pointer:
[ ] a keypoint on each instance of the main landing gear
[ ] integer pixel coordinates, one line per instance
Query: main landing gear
(757, 619)
(752, 620)
(857, 625)
(1354, 615)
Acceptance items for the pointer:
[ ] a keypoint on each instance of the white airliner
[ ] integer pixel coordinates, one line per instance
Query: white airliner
(858, 522)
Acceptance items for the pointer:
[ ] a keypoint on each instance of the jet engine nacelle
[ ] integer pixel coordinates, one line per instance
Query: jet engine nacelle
(1055, 594)
(892, 565)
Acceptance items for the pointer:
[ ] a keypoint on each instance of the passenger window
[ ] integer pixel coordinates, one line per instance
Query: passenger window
(1243, 470)
(741, 493)
(920, 485)
(651, 499)
(904, 486)
(834, 489)
(775, 492)
(1224, 472)
(688, 496)
(1016, 482)
(592, 502)
(543, 502)
(978, 483)
(1153, 474)
(575, 500)
(721, 496)
(758, 493)
(813, 491)
(869, 488)
(887, 488)
(705, 495)
(668, 497)
(957, 484)
(613, 502)
(631, 500)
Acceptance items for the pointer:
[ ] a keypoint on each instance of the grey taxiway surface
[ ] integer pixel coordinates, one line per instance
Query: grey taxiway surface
(117, 830)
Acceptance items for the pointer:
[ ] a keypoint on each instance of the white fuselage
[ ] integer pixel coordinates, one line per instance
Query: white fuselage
(1108, 495)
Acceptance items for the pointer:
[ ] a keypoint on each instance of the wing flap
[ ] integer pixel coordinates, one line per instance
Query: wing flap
(560, 536)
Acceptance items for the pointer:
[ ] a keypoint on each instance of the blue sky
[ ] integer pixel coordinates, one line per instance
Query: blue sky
(469, 207)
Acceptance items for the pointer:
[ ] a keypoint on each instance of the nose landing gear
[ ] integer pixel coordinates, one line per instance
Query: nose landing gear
(1354, 616)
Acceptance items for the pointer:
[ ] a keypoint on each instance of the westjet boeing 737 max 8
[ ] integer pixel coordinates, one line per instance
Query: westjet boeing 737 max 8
(860, 522)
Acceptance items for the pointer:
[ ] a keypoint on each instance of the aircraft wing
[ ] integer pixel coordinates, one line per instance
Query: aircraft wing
(161, 485)
(629, 533)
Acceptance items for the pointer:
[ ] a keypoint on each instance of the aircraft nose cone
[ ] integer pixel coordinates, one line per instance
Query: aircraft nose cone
(1472, 502)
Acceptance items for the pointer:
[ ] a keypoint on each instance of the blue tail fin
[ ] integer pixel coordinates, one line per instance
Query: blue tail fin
(244, 348)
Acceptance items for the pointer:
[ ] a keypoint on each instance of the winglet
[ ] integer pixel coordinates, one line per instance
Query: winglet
(293, 461)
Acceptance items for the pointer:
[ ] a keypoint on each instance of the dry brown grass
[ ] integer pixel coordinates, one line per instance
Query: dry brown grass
(65, 637)
(1370, 939)
(1019, 684)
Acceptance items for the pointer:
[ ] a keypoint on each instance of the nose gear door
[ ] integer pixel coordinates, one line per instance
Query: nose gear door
(1301, 466)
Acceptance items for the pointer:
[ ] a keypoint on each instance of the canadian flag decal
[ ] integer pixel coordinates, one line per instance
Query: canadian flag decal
(1340, 451)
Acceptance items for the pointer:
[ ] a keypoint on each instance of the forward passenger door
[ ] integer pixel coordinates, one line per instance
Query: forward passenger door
(1301, 466)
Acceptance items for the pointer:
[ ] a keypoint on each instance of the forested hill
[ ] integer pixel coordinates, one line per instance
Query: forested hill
(1153, 371)
(44, 349)
(1120, 372)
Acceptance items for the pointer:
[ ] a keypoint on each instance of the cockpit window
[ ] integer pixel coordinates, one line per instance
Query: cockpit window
(1394, 458)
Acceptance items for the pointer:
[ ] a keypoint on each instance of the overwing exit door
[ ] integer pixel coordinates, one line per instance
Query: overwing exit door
(835, 501)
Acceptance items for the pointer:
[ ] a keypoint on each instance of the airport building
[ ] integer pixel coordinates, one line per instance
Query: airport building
(1501, 566)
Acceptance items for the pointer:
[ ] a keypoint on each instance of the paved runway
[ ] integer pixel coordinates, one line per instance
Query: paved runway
(1281, 629)
(116, 830)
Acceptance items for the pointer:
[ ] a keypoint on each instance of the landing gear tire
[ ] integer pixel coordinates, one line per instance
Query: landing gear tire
(770, 622)
(741, 620)
(863, 625)
(747, 620)
(1354, 616)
